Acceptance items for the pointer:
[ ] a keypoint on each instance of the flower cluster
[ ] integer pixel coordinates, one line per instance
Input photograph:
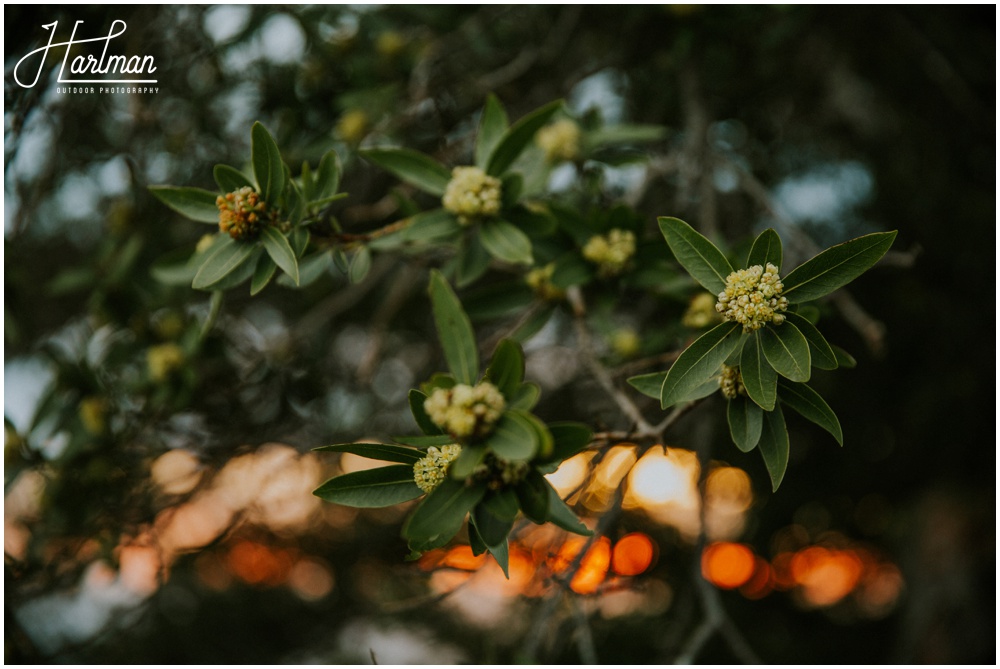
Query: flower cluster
(472, 195)
(560, 141)
(163, 360)
(731, 382)
(498, 473)
(610, 252)
(701, 312)
(430, 470)
(466, 412)
(752, 298)
(242, 213)
(540, 281)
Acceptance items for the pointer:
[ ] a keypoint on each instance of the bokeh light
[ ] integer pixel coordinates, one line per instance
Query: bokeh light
(727, 565)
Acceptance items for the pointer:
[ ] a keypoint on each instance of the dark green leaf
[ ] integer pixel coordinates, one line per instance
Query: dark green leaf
(505, 242)
(471, 262)
(230, 179)
(512, 143)
(225, 259)
(773, 446)
(193, 203)
(835, 267)
(699, 362)
(281, 252)
(262, 274)
(386, 452)
(465, 464)
(371, 488)
(492, 125)
(268, 168)
(413, 167)
(525, 398)
(437, 381)
(533, 496)
(426, 441)
(812, 407)
(240, 274)
(787, 350)
(650, 385)
(624, 134)
(696, 254)
(476, 542)
(313, 267)
(501, 553)
(822, 354)
(513, 438)
(844, 359)
(759, 378)
(494, 516)
(568, 439)
(327, 176)
(361, 263)
(560, 515)
(745, 422)
(426, 425)
(431, 225)
(298, 239)
(454, 330)
(439, 516)
(571, 270)
(308, 182)
(510, 189)
(766, 249)
(506, 370)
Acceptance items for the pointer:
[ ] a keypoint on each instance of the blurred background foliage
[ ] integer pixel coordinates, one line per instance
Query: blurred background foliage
(157, 477)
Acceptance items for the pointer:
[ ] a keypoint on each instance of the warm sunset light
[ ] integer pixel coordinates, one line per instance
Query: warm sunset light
(727, 565)
(826, 575)
(593, 568)
(571, 473)
(633, 554)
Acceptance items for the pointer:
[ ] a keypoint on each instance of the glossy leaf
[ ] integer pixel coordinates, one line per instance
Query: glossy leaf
(568, 439)
(560, 515)
(773, 446)
(650, 385)
(495, 516)
(361, 264)
(454, 331)
(696, 254)
(699, 362)
(506, 242)
(835, 267)
(262, 274)
(224, 260)
(787, 350)
(811, 406)
(413, 167)
(432, 225)
(506, 370)
(465, 464)
(425, 441)
(281, 252)
(230, 179)
(820, 350)
(268, 168)
(424, 422)
(745, 422)
(517, 137)
(471, 261)
(844, 359)
(386, 452)
(759, 378)
(525, 398)
(371, 488)
(492, 125)
(440, 515)
(196, 204)
(766, 249)
(513, 438)
(327, 176)
(533, 496)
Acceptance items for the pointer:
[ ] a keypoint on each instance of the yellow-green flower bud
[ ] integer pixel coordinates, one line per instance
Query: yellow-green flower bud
(430, 470)
(610, 252)
(163, 360)
(93, 413)
(353, 126)
(560, 140)
(540, 281)
(701, 312)
(752, 298)
(466, 412)
(472, 195)
(731, 382)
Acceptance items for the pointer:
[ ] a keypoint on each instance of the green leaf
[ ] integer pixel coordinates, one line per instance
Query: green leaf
(696, 254)
(506, 370)
(440, 515)
(426, 441)
(298, 239)
(699, 362)
(492, 125)
(525, 398)
(835, 267)
(268, 168)
(766, 249)
(501, 553)
(649, 385)
(454, 330)
(560, 515)
(512, 143)
(230, 179)
(431, 225)
(361, 263)
(513, 438)
(327, 176)
(511, 187)
(568, 439)
(424, 422)
(262, 274)
(386, 452)
(571, 270)
(308, 182)
(471, 262)
(811, 406)
(786, 348)
(476, 542)
(196, 204)
(494, 516)
(313, 267)
(533, 496)
(822, 353)
(465, 464)
(759, 378)
(773, 446)
(224, 260)
(371, 488)
(844, 359)
(505, 242)
(624, 134)
(240, 274)
(281, 252)
(413, 167)
(436, 381)
(745, 422)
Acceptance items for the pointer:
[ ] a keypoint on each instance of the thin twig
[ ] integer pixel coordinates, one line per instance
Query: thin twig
(584, 637)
